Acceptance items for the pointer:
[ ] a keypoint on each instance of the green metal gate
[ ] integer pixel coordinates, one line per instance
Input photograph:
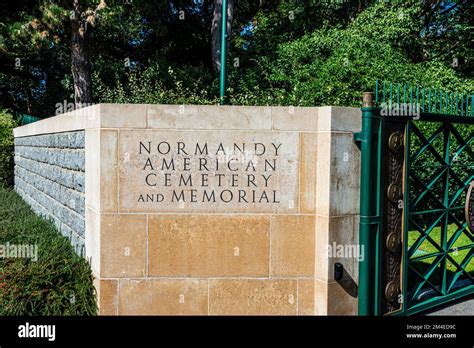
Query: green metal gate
(417, 167)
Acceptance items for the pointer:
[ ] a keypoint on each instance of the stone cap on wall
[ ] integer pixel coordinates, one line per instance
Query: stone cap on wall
(156, 116)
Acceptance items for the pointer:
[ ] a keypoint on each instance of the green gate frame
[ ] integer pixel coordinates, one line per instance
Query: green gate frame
(436, 106)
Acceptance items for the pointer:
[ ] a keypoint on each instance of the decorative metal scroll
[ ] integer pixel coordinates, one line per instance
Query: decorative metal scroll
(392, 206)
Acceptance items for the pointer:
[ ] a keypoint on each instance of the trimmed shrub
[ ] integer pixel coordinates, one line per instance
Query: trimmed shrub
(7, 123)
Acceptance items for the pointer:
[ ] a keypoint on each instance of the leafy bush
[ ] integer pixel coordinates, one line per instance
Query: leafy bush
(324, 64)
(7, 123)
(59, 282)
(157, 85)
(334, 66)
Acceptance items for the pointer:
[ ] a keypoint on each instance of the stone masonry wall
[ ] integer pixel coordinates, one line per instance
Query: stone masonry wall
(49, 175)
(159, 245)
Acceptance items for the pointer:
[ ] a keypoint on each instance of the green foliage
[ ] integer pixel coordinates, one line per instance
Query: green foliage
(58, 283)
(155, 85)
(7, 123)
(289, 52)
(334, 66)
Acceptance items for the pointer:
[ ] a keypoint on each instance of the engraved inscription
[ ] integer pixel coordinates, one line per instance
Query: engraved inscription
(208, 171)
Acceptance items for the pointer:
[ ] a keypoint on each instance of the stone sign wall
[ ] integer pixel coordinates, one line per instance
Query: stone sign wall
(49, 175)
(208, 210)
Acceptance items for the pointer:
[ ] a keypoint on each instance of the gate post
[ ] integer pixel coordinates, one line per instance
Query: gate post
(369, 207)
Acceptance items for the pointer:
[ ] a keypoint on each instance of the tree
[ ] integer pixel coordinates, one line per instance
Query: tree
(216, 30)
(447, 32)
(81, 19)
(288, 52)
(37, 41)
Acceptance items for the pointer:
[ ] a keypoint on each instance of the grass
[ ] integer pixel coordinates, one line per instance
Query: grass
(427, 248)
(58, 283)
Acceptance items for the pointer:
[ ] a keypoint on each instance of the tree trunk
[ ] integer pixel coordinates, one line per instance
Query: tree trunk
(80, 65)
(216, 30)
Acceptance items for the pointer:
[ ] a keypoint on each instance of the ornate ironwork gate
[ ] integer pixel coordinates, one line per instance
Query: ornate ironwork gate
(417, 199)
